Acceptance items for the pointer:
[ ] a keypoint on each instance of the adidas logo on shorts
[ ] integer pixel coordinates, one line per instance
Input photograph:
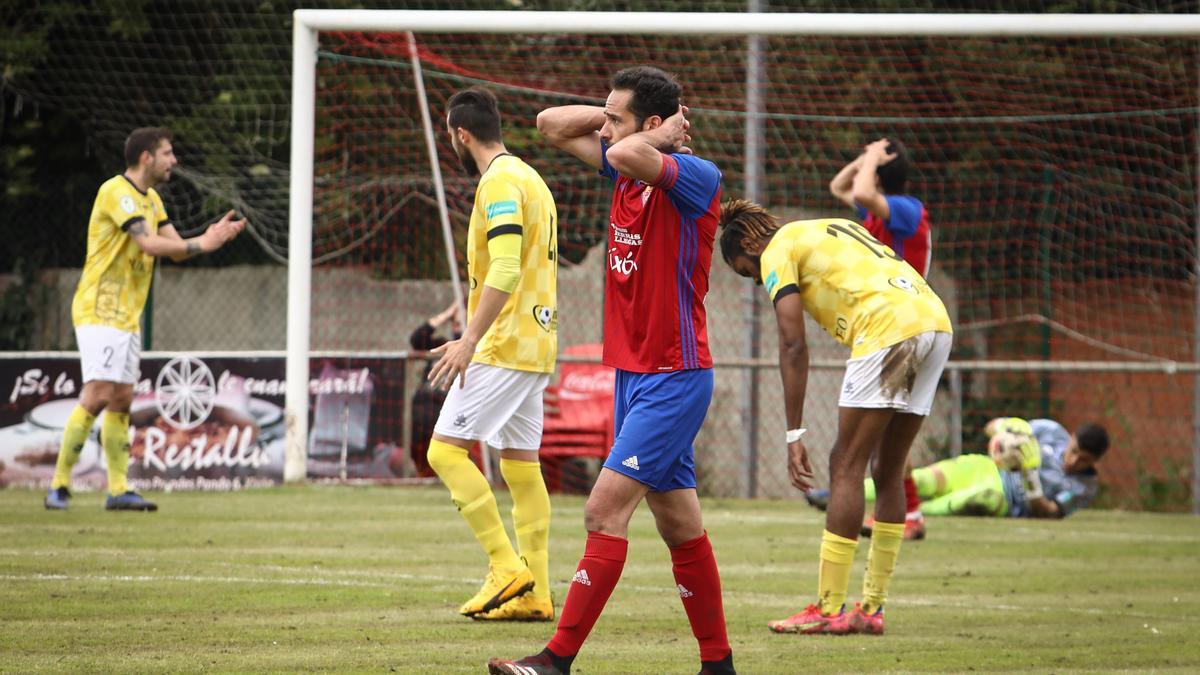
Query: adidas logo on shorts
(581, 577)
(631, 463)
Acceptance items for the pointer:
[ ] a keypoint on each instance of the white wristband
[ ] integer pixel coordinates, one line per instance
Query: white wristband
(794, 435)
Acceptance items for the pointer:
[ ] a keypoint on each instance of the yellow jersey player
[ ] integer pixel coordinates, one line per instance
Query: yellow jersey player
(128, 229)
(899, 337)
(502, 363)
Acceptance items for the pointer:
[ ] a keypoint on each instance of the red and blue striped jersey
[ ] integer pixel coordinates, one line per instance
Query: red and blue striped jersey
(906, 231)
(660, 245)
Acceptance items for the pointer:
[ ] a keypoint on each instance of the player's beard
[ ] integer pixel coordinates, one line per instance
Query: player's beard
(159, 176)
(467, 160)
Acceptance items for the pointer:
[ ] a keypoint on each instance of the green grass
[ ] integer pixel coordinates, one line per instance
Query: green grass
(368, 579)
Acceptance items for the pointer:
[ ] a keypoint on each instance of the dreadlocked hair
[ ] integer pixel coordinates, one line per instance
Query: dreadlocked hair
(743, 219)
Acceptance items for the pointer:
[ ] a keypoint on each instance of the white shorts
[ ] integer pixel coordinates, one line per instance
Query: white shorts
(903, 376)
(109, 354)
(501, 406)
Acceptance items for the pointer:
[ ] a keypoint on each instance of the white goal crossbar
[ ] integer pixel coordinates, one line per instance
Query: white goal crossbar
(309, 22)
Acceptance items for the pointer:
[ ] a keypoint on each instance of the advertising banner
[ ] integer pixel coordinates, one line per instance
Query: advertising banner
(208, 422)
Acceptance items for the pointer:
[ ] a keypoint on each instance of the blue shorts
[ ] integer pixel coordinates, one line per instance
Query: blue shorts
(657, 418)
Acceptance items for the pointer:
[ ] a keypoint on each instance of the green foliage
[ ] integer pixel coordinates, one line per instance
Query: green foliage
(49, 181)
(17, 308)
(24, 33)
(1168, 489)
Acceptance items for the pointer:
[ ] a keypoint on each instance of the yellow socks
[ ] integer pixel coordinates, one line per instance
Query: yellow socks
(114, 436)
(74, 436)
(881, 561)
(531, 519)
(473, 496)
(837, 555)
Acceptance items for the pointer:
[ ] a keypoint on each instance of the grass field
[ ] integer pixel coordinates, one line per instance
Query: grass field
(368, 579)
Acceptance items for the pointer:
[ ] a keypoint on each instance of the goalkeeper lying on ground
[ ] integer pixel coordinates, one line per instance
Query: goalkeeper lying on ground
(1033, 469)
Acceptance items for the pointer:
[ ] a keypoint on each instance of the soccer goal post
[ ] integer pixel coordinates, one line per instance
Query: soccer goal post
(1056, 153)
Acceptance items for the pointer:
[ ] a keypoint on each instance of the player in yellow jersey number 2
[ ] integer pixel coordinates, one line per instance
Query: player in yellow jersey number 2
(128, 229)
(899, 335)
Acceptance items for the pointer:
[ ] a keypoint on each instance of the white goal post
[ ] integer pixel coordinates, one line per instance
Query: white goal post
(309, 23)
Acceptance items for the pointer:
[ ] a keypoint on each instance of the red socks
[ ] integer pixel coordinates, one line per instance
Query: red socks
(696, 578)
(699, 586)
(594, 581)
(912, 502)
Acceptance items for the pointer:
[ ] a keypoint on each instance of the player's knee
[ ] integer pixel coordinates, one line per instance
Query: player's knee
(597, 518)
(594, 519)
(843, 467)
(677, 532)
(120, 399)
(443, 456)
(985, 503)
(993, 501)
(888, 476)
(96, 396)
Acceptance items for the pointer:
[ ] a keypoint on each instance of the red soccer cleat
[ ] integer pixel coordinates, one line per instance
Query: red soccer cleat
(914, 527)
(812, 621)
(867, 624)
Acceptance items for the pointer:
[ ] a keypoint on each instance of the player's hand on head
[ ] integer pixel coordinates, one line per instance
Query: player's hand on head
(677, 127)
(685, 149)
(879, 149)
(800, 470)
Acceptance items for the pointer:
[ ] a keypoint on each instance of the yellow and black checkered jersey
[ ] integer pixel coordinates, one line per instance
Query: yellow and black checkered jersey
(858, 289)
(513, 199)
(116, 274)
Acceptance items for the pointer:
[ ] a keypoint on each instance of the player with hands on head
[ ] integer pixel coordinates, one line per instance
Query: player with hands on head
(662, 223)
(899, 334)
(875, 185)
(128, 229)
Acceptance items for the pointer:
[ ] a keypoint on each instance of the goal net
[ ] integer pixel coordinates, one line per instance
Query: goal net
(1059, 174)
(1059, 169)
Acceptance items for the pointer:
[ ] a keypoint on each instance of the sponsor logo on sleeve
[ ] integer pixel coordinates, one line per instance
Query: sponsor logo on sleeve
(504, 208)
(127, 204)
(771, 282)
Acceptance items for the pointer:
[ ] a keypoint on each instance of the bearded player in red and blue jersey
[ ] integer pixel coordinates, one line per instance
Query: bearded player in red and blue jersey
(665, 206)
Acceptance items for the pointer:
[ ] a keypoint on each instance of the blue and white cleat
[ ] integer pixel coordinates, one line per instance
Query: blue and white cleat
(130, 501)
(57, 499)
